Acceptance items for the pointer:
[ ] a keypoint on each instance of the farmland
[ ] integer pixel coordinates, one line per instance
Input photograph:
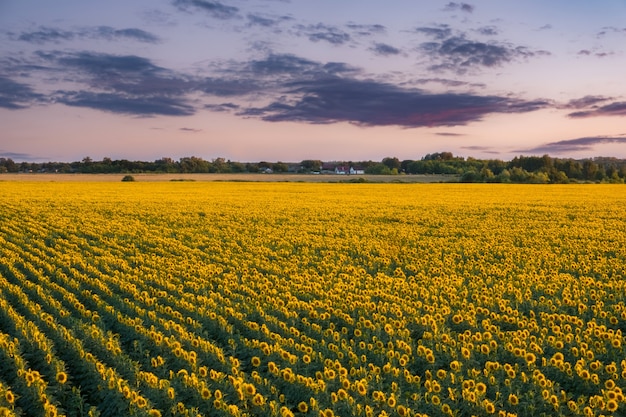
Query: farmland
(279, 299)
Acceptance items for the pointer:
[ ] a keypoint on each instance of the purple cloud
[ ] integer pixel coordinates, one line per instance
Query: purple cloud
(455, 52)
(464, 7)
(614, 109)
(382, 49)
(14, 95)
(323, 32)
(214, 8)
(575, 145)
(371, 103)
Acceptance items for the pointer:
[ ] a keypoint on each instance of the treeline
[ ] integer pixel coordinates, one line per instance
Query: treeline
(521, 169)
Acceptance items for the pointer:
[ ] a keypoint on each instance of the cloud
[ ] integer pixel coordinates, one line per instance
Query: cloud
(383, 49)
(483, 149)
(438, 32)
(450, 134)
(266, 21)
(586, 102)
(223, 107)
(366, 30)
(106, 32)
(125, 104)
(371, 103)
(126, 84)
(617, 108)
(323, 32)
(464, 7)
(214, 8)
(190, 130)
(575, 145)
(53, 35)
(45, 34)
(611, 29)
(129, 74)
(19, 156)
(455, 52)
(587, 52)
(488, 30)
(266, 76)
(292, 66)
(14, 95)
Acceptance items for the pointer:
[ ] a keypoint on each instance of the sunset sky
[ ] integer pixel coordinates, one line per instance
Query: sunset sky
(287, 80)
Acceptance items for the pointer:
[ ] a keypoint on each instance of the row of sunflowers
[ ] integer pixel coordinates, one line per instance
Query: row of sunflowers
(294, 299)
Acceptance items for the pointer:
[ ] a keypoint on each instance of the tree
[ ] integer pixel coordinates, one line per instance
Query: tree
(590, 169)
(309, 165)
(392, 163)
(280, 167)
(378, 169)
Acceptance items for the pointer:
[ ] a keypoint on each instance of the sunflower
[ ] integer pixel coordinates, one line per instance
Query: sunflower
(205, 393)
(10, 397)
(611, 405)
(141, 402)
(61, 377)
(258, 400)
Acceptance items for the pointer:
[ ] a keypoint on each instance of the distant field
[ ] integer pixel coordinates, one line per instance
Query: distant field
(230, 177)
(280, 299)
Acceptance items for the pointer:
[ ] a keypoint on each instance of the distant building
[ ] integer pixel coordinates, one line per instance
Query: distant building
(341, 169)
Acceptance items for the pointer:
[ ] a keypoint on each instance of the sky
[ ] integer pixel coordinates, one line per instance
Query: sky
(289, 80)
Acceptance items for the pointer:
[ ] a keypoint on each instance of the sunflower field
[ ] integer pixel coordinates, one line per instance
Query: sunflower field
(300, 299)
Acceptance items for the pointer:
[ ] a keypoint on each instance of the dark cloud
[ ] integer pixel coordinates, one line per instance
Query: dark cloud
(383, 49)
(223, 107)
(483, 149)
(228, 87)
(455, 52)
(288, 65)
(587, 52)
(190, 130)
(617, 108)
(586, 102)
(213, 8)
(488, 30)
(129, 74)
(322, 32)
(575, 145)
(14, 95)
(366, 30)
(371, 103)
(126, 84)
(611, 29)
(46, 35)
(267, 75)
(464, 7)
(449, 134)
(266, 21)
(438, 32)
(19, 156)
(125, 104)
(110, 33)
